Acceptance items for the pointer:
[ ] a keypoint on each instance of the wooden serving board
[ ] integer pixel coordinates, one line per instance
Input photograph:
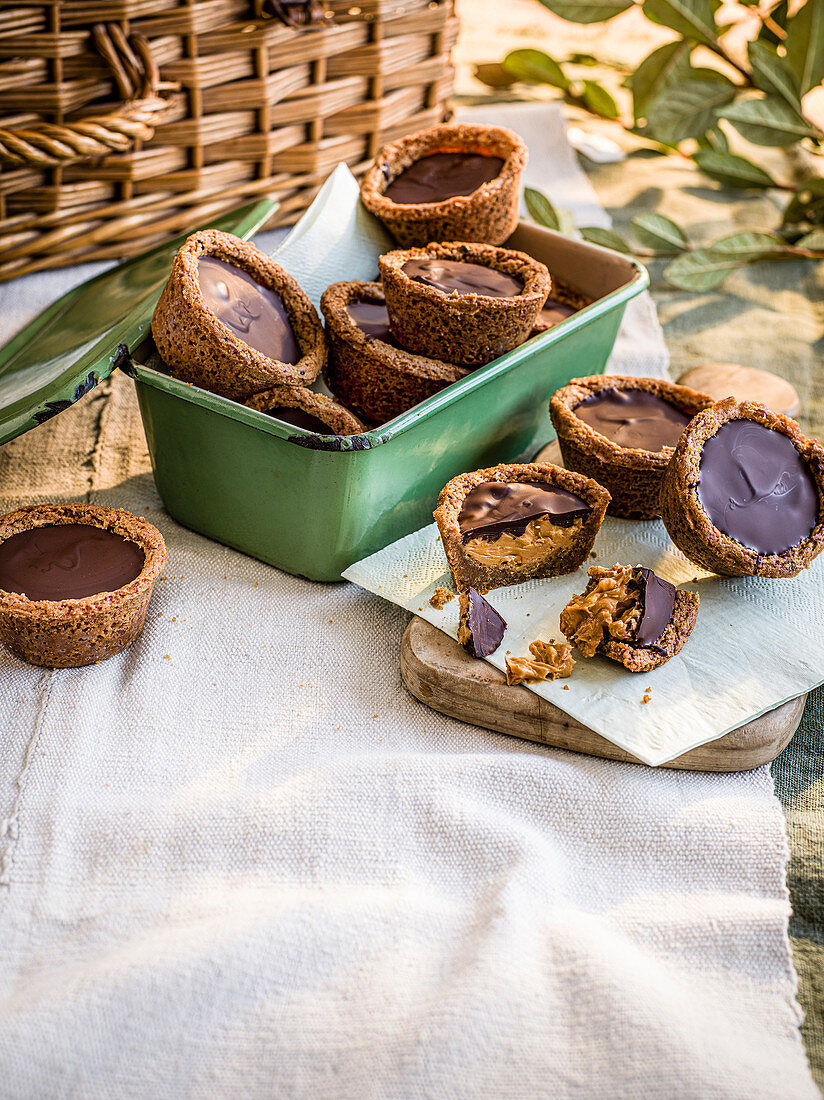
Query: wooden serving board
(440, 673)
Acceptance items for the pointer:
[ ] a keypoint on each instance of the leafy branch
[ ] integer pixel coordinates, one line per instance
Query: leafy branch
(681, 107)
(691, 267)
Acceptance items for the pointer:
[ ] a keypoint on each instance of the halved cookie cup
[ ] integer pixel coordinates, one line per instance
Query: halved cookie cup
(378, 379)
(632, 475)
(321, 414)
(489, 213)
(604, 619)
(465, 328)
(540, 548)
(73, 632)
(696, 535)
(202, 349)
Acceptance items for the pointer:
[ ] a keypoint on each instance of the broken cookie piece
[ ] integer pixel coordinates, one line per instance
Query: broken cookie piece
(549, 661)
(631, 615)
(441, 597)
(480, 627)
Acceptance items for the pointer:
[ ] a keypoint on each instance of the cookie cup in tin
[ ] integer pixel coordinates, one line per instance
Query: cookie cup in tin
(74, 632)
(490, 213)
(337, 419)
(692, 530)
(201, 349)
(465, 328)
(631, 474)
(378, 379)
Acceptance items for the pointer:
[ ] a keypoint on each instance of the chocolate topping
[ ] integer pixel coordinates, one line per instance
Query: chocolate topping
(443, 176)
(457, 276)
(373, 319)
(255, 314)
(657, 599)
(755, 487)
(67, 562)
(486, 627)
(633, 418)
(496, 506)
(555, 311)
(300, 418)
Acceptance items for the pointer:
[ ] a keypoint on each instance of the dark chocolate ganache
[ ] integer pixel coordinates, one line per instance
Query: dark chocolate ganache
(67, 562)
(755, 487)
(371, 318)
(656, 599)
(460, 277)
(300, 418)
(486, 626)
(493, 507)
(255, 314)
(443, 176)
(633, 418)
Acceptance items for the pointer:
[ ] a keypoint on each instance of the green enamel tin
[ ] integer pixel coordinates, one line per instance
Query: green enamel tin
(70, 347)
(311, 504)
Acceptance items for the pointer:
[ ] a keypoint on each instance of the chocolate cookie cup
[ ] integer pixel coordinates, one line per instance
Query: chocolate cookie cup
(563, 301)
(631, 472)
(459, 196)
(72, 631)
(744, 493)
(367, 368)
(630, 615)
(467, 327)
(518, 522)
(313, 411)
(268, 332)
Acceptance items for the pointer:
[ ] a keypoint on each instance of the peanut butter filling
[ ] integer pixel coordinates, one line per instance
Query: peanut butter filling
(550, 661)
(540, 538)
(607, 610)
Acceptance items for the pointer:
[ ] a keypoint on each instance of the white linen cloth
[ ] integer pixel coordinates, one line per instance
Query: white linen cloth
(239, 860)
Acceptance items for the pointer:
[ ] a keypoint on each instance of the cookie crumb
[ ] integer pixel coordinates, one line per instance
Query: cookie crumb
(440, 597)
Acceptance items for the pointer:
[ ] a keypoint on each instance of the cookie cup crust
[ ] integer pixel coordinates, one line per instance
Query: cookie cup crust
(631, 474)
(378, 380)
(70, 633)
(490, 213)
(462, 328)
(200, 348)
(689, 526)
(339, 420)
(468, 573)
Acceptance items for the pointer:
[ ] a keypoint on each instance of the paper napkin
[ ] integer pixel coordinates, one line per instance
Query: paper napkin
(756, 644)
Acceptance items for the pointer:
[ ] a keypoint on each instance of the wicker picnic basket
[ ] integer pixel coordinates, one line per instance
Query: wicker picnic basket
(122, 121)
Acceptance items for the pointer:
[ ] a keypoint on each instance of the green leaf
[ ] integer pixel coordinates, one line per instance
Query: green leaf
(598, 100)
(606, 238)
(658, 232)
(807, 205)
(746, 247)
(664, 67)
(805, 44)
(732, 170)
(693, 19)
(535, 66)
(583, 59)
(587, 11)
(773, 74)
(768, 121)
(688, 110)
(698, 271)
(814, 240)
(494, 75)
(541, 209)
